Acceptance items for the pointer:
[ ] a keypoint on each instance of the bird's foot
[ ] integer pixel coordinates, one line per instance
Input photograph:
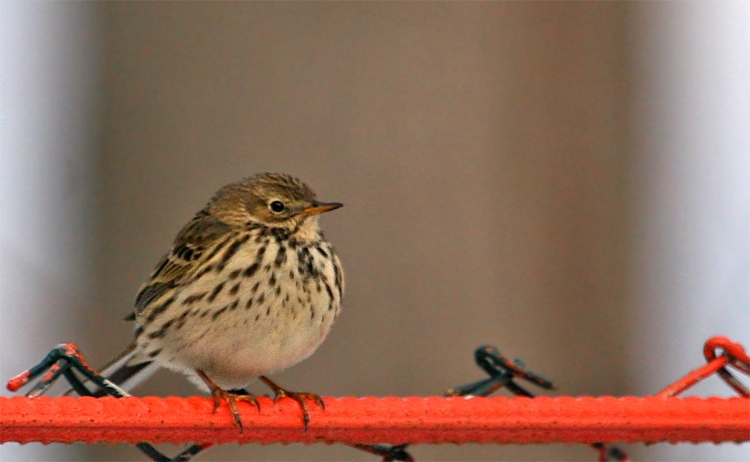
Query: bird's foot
(300, 397)
(231, 397)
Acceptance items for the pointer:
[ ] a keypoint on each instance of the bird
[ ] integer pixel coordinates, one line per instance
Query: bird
(249, 287)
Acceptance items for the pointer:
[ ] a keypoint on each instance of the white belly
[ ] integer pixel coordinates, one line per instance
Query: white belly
(253, 326)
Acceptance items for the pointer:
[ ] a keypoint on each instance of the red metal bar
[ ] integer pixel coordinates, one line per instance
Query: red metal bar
(372, 420)
(733, 354)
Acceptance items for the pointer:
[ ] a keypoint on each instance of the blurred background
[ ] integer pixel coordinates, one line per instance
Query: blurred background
(568, 182)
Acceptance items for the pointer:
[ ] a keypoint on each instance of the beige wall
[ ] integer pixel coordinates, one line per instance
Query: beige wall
(479, 149)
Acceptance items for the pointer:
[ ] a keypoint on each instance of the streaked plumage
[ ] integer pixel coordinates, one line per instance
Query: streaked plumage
(249, 287)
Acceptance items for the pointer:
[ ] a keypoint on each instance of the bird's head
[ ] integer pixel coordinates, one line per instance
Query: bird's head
(275, 200)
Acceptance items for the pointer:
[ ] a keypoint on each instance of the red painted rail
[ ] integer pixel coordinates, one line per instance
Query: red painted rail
(372, 420)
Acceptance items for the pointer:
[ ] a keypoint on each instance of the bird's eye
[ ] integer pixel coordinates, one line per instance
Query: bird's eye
(276, 206)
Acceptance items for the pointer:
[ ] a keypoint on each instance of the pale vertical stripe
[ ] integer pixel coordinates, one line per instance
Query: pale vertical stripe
(692, 271)
(48, 91)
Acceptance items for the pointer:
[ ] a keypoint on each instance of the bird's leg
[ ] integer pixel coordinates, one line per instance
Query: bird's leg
(300, 397)
(231, 398)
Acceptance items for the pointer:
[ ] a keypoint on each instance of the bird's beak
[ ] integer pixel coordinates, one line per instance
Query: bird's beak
(321, 207)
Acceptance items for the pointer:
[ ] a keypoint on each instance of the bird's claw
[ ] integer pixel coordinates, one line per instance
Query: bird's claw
(230, 397)
(299, 397)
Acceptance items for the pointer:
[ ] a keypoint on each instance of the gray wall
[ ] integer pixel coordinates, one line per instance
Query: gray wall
(501, 165)
(49, 119)
(479, 149)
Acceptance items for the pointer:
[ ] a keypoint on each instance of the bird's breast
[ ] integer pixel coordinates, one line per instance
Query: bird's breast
(261, 304)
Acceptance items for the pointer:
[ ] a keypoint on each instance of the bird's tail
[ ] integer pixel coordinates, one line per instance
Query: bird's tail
(121, 373)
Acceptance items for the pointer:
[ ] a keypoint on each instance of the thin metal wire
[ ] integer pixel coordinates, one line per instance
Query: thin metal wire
(365, 422)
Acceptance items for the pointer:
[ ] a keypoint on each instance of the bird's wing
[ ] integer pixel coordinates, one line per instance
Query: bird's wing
(195, 240)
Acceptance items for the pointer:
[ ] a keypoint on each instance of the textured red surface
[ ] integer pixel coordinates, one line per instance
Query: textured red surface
(374, 420)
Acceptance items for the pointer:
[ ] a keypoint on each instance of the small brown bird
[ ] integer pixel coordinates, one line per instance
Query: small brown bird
(249, 287)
